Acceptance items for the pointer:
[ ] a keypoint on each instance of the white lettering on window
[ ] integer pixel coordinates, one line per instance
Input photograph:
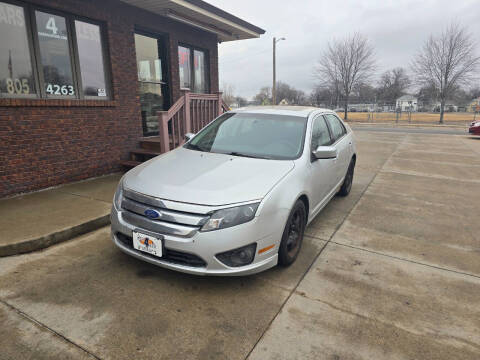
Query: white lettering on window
(51, 26)
(11, 16)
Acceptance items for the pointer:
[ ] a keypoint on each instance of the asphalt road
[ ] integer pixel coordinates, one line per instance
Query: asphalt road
(390, 272)
(408, 130)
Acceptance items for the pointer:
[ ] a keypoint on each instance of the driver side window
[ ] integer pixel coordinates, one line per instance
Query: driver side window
(320, 133)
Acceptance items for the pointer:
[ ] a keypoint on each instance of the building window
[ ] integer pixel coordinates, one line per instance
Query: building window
(184, 67)
(193, 69)
(54, 56)
(16, 74)
(199, 71)
(56, 64)
(90, 55)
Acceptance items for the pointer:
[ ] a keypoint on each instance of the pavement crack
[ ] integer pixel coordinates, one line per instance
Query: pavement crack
(385, 323)
(83, 196)
(49, 329)
(405, 259)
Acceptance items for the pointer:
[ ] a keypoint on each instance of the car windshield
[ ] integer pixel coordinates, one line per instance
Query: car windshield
(266, 136)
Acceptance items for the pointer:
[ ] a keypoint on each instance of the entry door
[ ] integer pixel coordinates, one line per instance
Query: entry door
(152, 80)
(342, 144)
(323, 171)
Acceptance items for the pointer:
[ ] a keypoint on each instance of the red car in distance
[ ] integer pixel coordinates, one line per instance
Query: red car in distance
(474, 128)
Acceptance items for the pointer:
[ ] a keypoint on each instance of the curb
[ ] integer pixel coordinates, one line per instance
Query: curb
(45, 241)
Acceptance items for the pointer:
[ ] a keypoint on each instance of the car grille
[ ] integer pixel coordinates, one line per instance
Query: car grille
(183, 224)
(170, 256)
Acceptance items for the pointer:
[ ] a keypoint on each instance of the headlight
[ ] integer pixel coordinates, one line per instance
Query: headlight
(226, 218)
(117, 198)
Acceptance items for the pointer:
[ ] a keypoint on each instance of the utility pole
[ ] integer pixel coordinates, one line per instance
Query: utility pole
(274, 85)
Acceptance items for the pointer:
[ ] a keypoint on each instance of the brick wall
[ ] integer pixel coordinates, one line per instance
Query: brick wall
(49, 142)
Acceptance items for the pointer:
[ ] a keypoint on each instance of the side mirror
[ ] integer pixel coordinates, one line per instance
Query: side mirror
(325, 152)
(189, 136)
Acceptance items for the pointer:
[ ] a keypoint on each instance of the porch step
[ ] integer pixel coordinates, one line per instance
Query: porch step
(130, 163)
(153, 143)
(150, 143)
(149, 152)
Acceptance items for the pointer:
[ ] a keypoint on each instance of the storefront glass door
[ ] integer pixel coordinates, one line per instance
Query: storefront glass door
(152, 80)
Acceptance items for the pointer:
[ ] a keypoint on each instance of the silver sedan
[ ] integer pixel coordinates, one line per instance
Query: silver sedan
(236, 197)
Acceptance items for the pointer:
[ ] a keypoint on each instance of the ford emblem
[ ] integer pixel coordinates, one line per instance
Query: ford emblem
(152, 214)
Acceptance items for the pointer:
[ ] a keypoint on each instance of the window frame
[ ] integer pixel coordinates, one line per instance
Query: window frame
(192, 49)
(73, 52)
(105, 58)
(335, 139)
(328, 129)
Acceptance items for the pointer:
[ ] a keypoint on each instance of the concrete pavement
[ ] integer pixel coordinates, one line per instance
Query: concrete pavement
(37, 220)
(400, 279)
(390, 272)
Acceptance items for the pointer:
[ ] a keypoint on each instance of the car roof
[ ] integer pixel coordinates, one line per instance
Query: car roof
(302, 111)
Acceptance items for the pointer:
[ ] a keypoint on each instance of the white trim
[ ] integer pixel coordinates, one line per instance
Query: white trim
(200, 26)
(213, 16)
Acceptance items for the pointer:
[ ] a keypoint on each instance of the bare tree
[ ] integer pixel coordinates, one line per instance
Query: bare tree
(345, 64)
(448, 61)
(323, 96)
(290, 94)
(228, 95)
(264, 96)
(393, 84)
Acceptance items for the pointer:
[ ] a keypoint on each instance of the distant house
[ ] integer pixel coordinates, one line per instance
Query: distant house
(407, 103)
(474, 105)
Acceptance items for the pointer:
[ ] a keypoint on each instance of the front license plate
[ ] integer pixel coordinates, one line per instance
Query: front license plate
(147, 243)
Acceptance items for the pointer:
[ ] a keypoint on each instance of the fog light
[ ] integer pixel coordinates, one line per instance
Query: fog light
(238, 257)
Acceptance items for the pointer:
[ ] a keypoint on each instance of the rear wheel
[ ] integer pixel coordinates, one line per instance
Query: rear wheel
(293, 235)
(347, 183)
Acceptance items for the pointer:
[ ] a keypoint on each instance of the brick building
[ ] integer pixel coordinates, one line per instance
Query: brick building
(82, 81)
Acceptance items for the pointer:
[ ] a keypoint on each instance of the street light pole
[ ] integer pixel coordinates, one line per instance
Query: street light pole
(274, 85)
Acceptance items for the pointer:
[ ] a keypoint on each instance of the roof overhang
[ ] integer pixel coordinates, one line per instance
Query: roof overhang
(199, 14)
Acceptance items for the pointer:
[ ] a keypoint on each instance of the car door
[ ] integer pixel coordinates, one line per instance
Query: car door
(323, 171)
(342, 143)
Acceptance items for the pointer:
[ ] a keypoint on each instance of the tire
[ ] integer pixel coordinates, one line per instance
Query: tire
(292, 237)
(347, 183)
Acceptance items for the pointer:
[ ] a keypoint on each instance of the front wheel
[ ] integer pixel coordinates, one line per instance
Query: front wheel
(292, 235)
(347, 183)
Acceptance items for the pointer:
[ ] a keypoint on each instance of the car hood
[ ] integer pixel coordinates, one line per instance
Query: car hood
(206, 178)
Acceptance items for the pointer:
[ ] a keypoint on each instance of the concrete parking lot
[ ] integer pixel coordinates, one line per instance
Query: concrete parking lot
(390, 272)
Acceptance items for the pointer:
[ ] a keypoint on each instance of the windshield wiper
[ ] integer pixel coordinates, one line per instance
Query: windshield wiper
(236, 153)
(196, 147)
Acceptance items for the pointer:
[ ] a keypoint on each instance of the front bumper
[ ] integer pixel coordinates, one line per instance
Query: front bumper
(204, 245)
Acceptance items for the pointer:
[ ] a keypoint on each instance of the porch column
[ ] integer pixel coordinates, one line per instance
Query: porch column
(186, 112)
(219, 103)
(163, 131)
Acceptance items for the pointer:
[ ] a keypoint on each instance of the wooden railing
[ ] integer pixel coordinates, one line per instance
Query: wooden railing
(190, 113)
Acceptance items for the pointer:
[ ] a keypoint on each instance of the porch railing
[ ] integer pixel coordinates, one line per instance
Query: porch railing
(190, 113)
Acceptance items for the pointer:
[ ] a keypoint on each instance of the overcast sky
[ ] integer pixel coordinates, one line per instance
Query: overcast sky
(396, 29)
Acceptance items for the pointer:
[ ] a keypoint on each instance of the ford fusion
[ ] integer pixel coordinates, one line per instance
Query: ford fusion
(236, 197)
